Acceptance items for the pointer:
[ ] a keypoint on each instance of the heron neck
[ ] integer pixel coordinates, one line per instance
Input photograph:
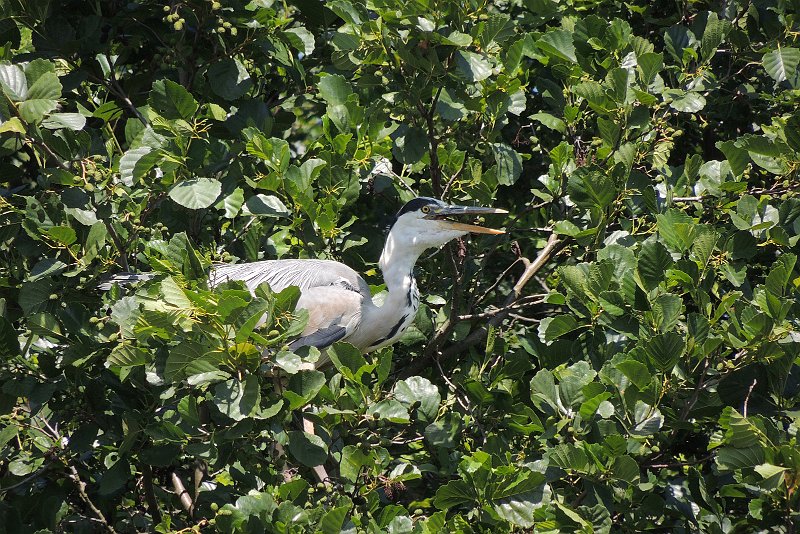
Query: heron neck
(397, 265)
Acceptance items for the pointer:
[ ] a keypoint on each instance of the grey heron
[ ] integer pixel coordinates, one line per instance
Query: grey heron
(338, 299)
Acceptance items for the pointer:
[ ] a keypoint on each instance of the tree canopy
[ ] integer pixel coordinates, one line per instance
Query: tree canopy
(624, 358)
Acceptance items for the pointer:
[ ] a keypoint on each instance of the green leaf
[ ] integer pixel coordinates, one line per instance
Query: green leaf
(63, 234)
(418, 389)
(732, 459)
(9, 343)
(590, 188)
(13, 82)
(636, 372)
(551, 328)
(471, 66)
(664, 350)
(666, 310)
(713, 35)
(70, 121)
(410, 144)
(334, 89)
(454, 493)
(303, 387)
(172, 100)
(128, 356)
(552, 122)
(302, 39)
(136, 163)
(509, 163)
(517, 501)
(332, 521)
(229, 79)
(196, 193)
(236, 399)
(189, 358)
(654, 260)
(308, 449)
(649, 65)
(781, 64)
(266, 206)
(685, 101)
(558, 44)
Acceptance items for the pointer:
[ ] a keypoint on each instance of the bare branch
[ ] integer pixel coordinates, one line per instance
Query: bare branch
(149, 494)
(182, 493)
(554, 244)
(81, 485)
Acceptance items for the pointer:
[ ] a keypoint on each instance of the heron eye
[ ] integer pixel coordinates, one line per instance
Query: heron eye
(426, 209)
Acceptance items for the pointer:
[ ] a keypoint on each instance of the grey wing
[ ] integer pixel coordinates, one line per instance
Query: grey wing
(334, 314)
(280, 274)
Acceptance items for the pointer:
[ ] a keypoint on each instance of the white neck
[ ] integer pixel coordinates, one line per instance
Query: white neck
(387, 322)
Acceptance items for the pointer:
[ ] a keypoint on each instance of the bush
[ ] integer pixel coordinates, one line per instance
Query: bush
(624, 358)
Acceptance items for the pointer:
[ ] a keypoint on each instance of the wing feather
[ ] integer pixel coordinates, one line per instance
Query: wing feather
(280, 274)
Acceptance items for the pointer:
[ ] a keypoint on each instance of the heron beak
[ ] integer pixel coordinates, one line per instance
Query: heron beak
(440, 215)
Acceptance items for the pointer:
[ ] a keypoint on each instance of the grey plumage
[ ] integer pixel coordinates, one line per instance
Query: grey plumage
(338, 300)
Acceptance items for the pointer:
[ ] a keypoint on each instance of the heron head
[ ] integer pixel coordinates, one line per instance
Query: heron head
(428, 223)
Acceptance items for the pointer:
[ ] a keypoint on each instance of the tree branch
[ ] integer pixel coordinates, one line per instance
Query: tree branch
(554, 244)
(149, 494)
(85, 498)
(182, 493)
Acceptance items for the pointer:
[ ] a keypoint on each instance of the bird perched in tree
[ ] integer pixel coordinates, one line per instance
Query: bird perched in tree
(338, 299)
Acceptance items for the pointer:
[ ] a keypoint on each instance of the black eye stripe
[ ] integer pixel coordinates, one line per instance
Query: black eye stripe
(417, 204)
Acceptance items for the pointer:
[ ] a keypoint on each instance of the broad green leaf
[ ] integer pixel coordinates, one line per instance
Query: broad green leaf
(301, 39)
(558, 44)
(71, 121)
(591, 188)
(308, 449)
(454, 493)
(334, 89)
(187, 359)
(62, 234)
(229, 79)
(136, 163)
(551, 328)
(13, 82)
(238, 399)
(418, 389)
(636, 372)
(172, 100)
(517, 501)
(266, 206)
(685, 101)
(332, 521)
(196, 193)
(664, 350)
(303, 387)
(731, 458)
(128, 356)
(781, 64)
(654, 260)
(471, 66)
(509, 163)
(713, 35)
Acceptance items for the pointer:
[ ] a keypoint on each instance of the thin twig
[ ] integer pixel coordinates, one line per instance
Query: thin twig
(82, 492)
(554, 244)
(747, 398)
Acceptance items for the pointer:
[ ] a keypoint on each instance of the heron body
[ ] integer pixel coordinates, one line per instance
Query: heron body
(338, 299)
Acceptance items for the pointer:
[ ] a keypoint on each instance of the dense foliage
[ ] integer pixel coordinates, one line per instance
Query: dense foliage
(625, 358)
